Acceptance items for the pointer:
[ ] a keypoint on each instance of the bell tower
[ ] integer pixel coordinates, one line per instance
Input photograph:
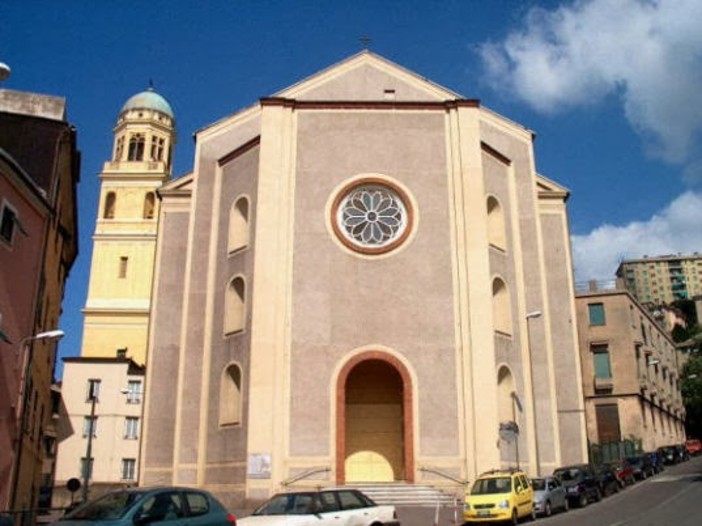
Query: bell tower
(116, 313)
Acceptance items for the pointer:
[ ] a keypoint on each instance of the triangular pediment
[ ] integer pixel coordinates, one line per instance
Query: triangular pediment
(367, 77)
(547, 187)
(181, 184)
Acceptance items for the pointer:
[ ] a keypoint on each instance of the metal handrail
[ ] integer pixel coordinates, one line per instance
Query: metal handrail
(437, 471)
(304, 475)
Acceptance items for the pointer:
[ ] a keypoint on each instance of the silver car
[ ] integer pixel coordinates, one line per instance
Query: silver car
(549, 495)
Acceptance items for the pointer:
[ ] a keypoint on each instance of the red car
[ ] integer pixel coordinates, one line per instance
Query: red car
(693, 446)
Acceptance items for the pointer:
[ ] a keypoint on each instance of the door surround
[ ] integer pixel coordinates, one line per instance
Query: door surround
(407, 414)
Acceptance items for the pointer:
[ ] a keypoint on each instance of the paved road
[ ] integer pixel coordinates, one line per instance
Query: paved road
(671, 498)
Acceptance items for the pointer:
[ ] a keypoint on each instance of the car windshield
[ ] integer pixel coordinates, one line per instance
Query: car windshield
(568, 474)
(287, 504)
(492, 486)
(635, 461)
(538, 484)
(108, 507)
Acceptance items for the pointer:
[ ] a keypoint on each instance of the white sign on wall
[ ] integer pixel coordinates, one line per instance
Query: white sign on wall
(259, 466)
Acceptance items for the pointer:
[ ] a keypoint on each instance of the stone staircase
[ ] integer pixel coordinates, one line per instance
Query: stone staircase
(405, 494)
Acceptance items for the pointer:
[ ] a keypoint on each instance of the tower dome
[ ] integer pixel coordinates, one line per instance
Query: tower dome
(148, 100)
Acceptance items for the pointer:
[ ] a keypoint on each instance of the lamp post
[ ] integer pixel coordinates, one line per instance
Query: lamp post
(530, 316)
(23, 399)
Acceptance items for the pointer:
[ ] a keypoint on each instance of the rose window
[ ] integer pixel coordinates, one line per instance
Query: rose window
(371, 217)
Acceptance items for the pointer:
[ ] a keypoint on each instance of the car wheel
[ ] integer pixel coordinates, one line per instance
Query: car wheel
(582, 500)
(598, 495)
(515, 518)
(547, 509)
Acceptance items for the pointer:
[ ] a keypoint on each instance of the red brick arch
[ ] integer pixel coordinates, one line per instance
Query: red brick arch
(406, 411)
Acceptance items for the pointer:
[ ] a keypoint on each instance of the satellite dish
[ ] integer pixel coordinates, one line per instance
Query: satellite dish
(4, 71)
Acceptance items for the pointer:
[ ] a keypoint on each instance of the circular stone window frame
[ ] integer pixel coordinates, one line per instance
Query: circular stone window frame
(341, 192)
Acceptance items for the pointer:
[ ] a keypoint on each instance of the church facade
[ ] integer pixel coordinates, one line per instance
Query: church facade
(363, 279)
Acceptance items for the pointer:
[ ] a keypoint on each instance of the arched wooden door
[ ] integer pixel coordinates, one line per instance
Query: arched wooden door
(374, 426)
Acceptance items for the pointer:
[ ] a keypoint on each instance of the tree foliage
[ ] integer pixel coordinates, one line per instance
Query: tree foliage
(691, 387)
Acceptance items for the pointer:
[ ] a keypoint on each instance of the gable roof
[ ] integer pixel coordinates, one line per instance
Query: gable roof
(364, 76)
(367, 76)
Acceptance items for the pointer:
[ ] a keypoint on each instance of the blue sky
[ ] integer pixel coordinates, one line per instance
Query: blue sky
(612, 89)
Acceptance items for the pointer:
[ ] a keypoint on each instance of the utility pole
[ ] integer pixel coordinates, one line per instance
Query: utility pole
(87, 468)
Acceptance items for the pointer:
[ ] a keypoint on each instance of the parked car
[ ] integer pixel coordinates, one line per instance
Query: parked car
(322, 508)
(142, 506)
(623, 471)
(681, 451)
(668, 454)
(656, 460)
(607, 479)
(693, 446)
(499, 496)
(642, 466)
(580, 483)
(549, 495)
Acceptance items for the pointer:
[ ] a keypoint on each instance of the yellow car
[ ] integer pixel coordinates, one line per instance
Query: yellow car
(500, 496)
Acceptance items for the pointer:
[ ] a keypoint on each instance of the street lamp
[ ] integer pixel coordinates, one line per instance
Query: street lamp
(531, 316)
(23, 400)
(4, 71)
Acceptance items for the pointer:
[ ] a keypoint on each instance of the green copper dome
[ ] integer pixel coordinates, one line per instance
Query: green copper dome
(148, 100)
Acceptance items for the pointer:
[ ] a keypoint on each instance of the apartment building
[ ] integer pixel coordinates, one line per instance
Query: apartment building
(630, 372)
(662, 279)
(39, 174)
(103, 397)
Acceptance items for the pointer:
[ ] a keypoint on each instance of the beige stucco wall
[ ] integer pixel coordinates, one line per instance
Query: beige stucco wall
(650, 408)
(109, 446)
(313, 305)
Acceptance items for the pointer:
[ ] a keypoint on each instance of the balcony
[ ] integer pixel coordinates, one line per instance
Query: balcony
(604, 384)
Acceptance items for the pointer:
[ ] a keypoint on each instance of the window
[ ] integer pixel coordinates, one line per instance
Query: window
(93, 390)
(128, 468)
(131, 428)
(371, 215)
(496, 223)
(149, 205)
(600, 356)
(234, 308)
(7, 228)
(134, 392)
(197, 503)
(239, 225)
(505, 395)
(157, 148)
(89, 424)
(597, 313)
(136, 147)
(86, 468)
(119, 148)
(8, 223)
(109, 210)
(350, 500)
(230, 396)
(123, 264)
(502, 318)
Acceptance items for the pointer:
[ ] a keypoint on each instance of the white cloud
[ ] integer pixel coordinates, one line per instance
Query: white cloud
(676, 229)
(648, 52)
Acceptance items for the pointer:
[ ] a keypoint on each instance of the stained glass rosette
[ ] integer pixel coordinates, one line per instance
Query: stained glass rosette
(371, 216)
